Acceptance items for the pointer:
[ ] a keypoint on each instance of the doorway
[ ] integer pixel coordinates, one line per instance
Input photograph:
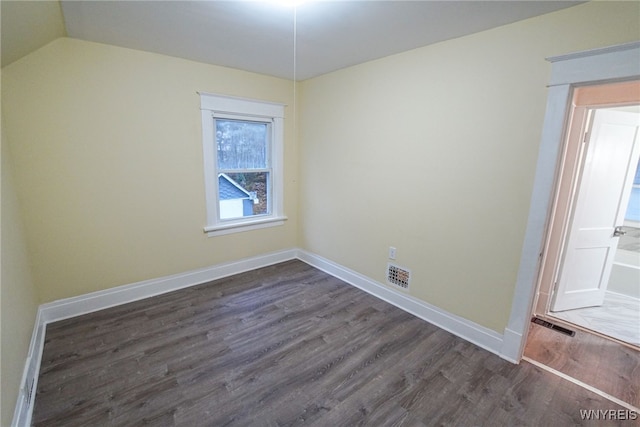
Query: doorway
(598, 284)
(617, 364)
(593, 213)
(590, 273)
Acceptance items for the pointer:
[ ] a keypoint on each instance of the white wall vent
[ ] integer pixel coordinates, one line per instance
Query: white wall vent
(398, 276)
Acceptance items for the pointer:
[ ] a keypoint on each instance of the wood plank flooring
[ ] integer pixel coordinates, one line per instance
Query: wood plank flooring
(604, 364)
(281, 346)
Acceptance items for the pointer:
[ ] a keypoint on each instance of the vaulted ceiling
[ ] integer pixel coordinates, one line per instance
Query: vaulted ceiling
(266, 37)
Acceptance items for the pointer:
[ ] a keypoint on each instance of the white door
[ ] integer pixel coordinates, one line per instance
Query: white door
(601, 197)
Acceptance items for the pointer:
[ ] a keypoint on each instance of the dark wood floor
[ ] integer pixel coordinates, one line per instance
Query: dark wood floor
(599, 362)
(285, 345)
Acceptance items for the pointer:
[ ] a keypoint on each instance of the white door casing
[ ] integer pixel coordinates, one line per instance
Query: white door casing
(596, 66)
(610, 155)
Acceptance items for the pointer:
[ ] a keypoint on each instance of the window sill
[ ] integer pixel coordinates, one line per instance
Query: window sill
(237, 227)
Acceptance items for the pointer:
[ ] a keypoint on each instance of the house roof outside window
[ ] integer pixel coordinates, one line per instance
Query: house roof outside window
(230, 189)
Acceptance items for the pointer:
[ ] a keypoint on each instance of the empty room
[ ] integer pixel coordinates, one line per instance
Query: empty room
(324, 213)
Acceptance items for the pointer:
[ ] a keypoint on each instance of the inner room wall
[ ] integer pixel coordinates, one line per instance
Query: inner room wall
(107, 150)
(18, 295)
(433, 151)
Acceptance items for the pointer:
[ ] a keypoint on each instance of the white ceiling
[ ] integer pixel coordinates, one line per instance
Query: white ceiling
(259, 36)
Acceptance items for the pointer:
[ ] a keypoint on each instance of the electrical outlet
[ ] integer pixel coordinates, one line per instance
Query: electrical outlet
(392, 252)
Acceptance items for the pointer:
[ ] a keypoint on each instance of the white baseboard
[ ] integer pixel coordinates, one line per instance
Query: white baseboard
(618, 294)
(512, 344)
(94, 301)
(466, 329)
(29, 381)
(506, 346)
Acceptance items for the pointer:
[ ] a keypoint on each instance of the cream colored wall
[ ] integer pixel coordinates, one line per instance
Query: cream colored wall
(18, 295)
(28, 25)
(108, 163)
(434, 150)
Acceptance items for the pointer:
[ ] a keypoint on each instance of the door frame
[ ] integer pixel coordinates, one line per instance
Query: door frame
(598, 66)
(585, 99)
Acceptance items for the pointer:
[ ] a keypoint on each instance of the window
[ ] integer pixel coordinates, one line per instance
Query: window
(632, 216)
(242, 143)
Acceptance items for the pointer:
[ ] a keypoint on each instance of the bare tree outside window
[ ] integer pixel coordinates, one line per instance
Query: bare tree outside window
(242, 153)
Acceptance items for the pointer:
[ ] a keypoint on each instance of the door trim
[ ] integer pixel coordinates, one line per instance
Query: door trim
(605, 65)
(584, 100)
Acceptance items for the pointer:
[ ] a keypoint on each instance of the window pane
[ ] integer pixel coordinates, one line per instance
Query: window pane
(636, 178)
(243, 194)
(633, 208)
(241, 144)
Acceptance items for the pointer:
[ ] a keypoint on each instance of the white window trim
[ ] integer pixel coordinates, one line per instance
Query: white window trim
(219, 106)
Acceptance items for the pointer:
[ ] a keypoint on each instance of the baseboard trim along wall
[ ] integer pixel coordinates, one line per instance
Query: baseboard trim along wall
(94, 301)
(504, 346)
(463, 328)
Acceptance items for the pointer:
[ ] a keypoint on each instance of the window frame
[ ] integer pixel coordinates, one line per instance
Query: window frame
(214, 106)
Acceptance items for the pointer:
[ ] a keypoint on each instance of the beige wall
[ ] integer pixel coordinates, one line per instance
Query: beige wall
(28, 25)
(107, 153)
(18, 295)
(433, 151)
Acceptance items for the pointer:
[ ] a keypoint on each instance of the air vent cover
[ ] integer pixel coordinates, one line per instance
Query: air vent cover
(398, 276)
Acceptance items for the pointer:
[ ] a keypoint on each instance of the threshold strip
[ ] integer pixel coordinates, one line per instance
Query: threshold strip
(583, 385)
